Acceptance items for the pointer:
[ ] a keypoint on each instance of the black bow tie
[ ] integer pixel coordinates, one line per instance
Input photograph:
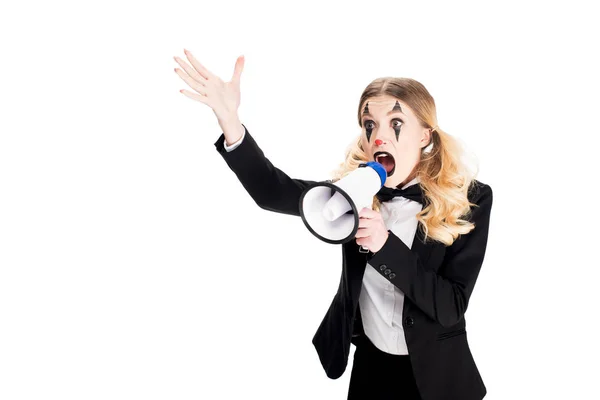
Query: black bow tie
(413, 192)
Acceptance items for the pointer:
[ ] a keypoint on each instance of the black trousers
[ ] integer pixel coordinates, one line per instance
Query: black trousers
(377, 375)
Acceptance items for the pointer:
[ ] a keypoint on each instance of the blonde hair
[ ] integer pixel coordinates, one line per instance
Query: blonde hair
(444, 178)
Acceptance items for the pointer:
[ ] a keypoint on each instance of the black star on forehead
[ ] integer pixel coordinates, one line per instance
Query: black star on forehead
(397, 107)
(366, 110)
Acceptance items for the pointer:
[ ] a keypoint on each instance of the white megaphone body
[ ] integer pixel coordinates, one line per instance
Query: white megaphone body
(330, 210)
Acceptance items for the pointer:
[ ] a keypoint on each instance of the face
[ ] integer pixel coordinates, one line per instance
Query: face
(393, 136)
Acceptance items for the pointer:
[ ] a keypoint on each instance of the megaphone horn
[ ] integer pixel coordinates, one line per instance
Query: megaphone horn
(330, 209)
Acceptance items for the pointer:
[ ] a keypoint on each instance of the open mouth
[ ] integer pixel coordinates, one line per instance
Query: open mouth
(387, 160)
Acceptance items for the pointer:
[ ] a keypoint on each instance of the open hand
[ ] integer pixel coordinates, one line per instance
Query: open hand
(222, 97)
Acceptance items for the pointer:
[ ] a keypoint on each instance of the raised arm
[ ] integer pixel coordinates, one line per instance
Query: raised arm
(271, 188)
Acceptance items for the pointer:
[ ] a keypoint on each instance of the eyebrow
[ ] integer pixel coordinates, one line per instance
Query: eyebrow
(396, 109)
(368, 114)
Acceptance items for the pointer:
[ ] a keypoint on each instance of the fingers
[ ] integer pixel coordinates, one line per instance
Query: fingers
(368, 213)
(372, 231)
(197, 66)
(237, 71)
(191, 82)
(365, 223)
(190, 71)
(194, 96)
(361, 233)
(222, 97)
(365, 242)
(368, 222)
(192, 76)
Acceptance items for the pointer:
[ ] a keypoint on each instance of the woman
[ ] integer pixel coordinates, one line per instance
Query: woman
(402, 302)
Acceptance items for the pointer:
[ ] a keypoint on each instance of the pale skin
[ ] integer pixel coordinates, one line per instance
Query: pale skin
(372, 232)
(399, 133)
(224, 99)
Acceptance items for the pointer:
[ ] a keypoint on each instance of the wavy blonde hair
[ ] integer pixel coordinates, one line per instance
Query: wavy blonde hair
(444, 177)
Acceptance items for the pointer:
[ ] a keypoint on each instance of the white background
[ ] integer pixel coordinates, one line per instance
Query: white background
(133, 264)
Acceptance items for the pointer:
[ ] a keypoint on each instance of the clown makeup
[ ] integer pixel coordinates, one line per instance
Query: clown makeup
(368, 130)
(397, 127)
(368, 123)
(393, 136)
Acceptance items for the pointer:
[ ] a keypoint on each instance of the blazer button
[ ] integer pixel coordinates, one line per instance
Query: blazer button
(392, 275)
(409, 321)
(387, 271)
(382, 267)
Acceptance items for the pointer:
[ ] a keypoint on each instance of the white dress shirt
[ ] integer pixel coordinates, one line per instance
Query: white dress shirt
(380, 301)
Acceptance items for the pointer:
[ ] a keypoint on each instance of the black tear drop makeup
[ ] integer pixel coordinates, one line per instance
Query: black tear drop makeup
(397, 127)
(397, 131)
(368, 130)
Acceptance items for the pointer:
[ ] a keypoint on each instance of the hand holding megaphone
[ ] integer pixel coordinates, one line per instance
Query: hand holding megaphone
(372, 231)
(330, 210)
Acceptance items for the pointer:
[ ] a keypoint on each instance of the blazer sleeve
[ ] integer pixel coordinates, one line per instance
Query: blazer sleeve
(443, 295)
(269, 187)
(236, 144)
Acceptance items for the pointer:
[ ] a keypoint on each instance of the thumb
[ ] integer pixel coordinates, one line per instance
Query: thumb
(237, 72)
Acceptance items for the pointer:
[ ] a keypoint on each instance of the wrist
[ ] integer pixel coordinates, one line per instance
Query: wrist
(229, 120)
(233, 130)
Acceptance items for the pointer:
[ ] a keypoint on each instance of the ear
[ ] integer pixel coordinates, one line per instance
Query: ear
(425, 138)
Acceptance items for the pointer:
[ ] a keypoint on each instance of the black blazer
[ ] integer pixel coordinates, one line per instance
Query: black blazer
(437, 281)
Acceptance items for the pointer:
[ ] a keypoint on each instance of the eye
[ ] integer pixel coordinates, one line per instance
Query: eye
(368, 124)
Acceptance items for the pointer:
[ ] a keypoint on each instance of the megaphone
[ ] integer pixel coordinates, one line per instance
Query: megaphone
(330, 210)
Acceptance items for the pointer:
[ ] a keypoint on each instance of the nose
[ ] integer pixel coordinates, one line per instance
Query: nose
(378, 142)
